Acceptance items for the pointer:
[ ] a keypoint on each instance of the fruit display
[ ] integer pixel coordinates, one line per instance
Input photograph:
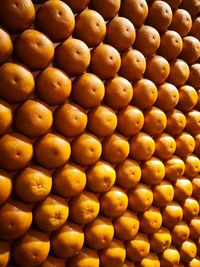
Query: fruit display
(99, 133)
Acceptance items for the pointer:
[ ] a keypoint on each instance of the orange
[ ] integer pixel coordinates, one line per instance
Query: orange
(126, 226)
(162, 193)
(33, 118)
(118, 92)
(184, 144)
(67, 241)
(128, 264)
(180, 233)
(18, 15)
(86, 258)
(193, 7)
(6, 46)
(182, 189)
(90, 27)
(145, 93)
(170, 257)
(114, 202)
(84, 208)
(4, 253)
(174, 168)
(171, 45)
(105, 61)
(18, 80)
(87, 145)
(188, 251)
(168, 97)
(51, 213)
(140, 198)
(150, 260)
(133, 65)
(134, 10)
(195, 31)
(5, 186)
(69, 180)
(197, 144)
(147, 40)
(142, 146)
(173, 3)
(32, 184)
(191, 49)
(193, 122)
(172, 213)
(100, 177)
(32, 249)
(99, 233)
(120, 33)
(128, 173)
(187, 98)
(161, 240)
(15, 220)
(52, 261)
(165, 146)
(190, 208)
(102, 121)
(195, 227)
(56, 19)
(192, 166)
(176, 122)
(16, 151)
(71, 115)
(194, 262)
(159, 16)
(181, 22)
(77, 5)
(6, 115)
(196, 186)
(194, 77)
(52, 150)
(130, 120)
(72, 56)
(34, 49)
(150, 220)
(115, 148)
(107, 8)
(179, 72)
(114, 255)
(53, 86)
(138, 248)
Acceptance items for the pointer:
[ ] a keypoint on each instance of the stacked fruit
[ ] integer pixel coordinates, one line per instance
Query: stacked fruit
(100, 133)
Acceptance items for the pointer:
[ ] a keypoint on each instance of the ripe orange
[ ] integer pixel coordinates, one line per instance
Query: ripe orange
(162, 193)
(180, 233)
(6, 46)
(5, 186)
(85, 258)
(107, 8)
(6, 115)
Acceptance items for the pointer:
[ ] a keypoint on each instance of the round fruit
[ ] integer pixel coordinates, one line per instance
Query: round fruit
(194, 78)
(151, 259)
(174, 168)
(170, 257)
(195, 227)
(196, 186)
(182, 189)
(52, 261)
(192, 166)
(150, 220)
(176, 122)
(188, 251)
(4, 253)
(107, 8)
(181, 22)
(165, 146)
(6, 46)
(180, 233)
(6, 115)
(184, 144)
(191, 49)
(179, 72)
(195, 31)
(77, 5)
(190, 208)
(187, 98)
(172, 213)
(86, 258)
(162, 193)
(161, 240)
(5, 186)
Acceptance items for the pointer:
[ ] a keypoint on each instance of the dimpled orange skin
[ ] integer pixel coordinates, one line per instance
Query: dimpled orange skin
(193, 122)
(69, 180)
(114, 255)
(34, 49)
(15, 220)
(172, 213)
(195, 227)
(191, 49)
(187, 98)
(52, 261)
(33, 118)
(18, 80)
(99, 233)
(176, 122)
(67, 241)
(179, 72)
(5, 186)
(162, 193)
(101, 177)
(170, 257)
(192, 166)
(180, 232)
(165, 146)
(174, 168)
(190, 208)
(32, 184)
(53, 86)
(140, 198)
(182, 189)
(72, 56)
(56, 20)
(6, 115)
(52, 150)
(87, 145)
(71, 115)
(194, 77)
(84, 208)
(184, 144)
(86, 258)
(4, 253)
(160, 240)
(51, 213)
(128, 173)
(6, 46)
(150, 220)
(181, 22)
(138, 248)
(16, 151)
(32, 249)
(188, 251)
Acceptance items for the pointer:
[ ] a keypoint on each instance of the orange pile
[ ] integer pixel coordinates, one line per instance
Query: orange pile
(100, 133)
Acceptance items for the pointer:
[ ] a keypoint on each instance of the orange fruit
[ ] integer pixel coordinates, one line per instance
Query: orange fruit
(4, 253)
(86, 258)
(176, 122)
(191, 49)
(194, 262)
(181, 22)
(184, 144)
(88, 145)
(15, 220)
(195, 227)
(188, 251)
(114, 202)
(179, 72)
(173, 3)
(165, 146)
(107, 8)
(67, 241)
(6, 115)
(18, 80)
(52, 150)
(30, 47)
(6, 46)
(16, 151)
(56, 20)
(196, 186)
(32, 249)
(100, 177)
(195, 31)
(182, 189)
(99, 233)
(72, 56)
(69, 180)
(5, 186)
(160, 240)
(190, 208)
(193, 7)
(151, 260)
(71, 115)
(150, 220)
(162, 193)
(77, 5)
(32, 184)
(170, 257)
(193, 122)
(180, 233)
(172, 213)
(192, 166)
(194, 77)
(187, 98)
(174, 168)
(52, 261)
(197, 144)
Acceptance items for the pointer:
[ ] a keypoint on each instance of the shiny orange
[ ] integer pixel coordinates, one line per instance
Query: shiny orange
(6, 46)
(170, 257)
(193, 7)
(4, 253)
(150, 220)
(188, 251)
(5, 186)
(179, 72)
(192, 166)
(161, 240)
(180, 233)
(187, 98)
(77, 5)
(176, 122)
(196, 186)
(6, 115)
(194, 77)
(107, 8)
(165, 146)
(151, 259)
(191, 49)
(174, 168)
(182, 189)
(181, 22)
(162, 193)
(184, 144)
(86, 258)
(172, 213)
(190, 208)
(193, 122)
(195, 31)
